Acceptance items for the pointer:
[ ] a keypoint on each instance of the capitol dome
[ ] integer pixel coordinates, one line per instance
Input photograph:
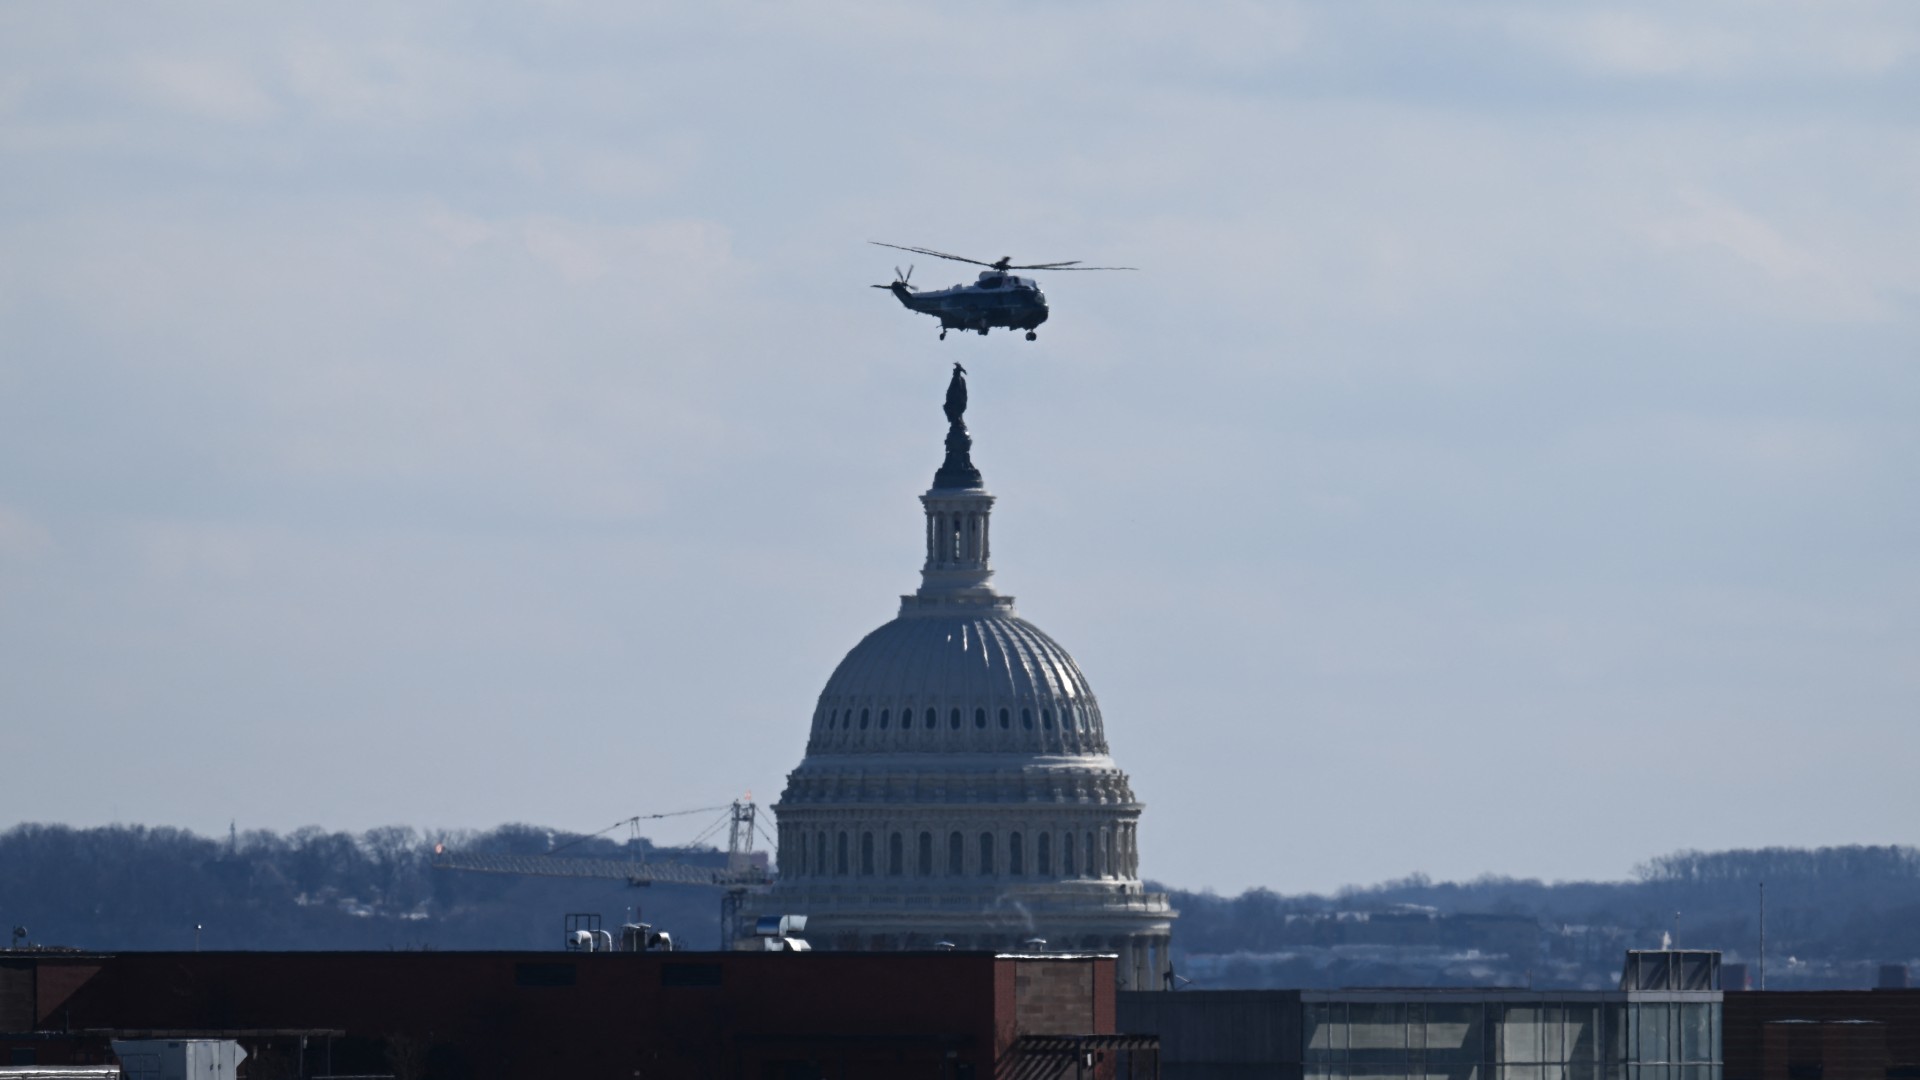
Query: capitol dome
(957, 788)
(936, 682)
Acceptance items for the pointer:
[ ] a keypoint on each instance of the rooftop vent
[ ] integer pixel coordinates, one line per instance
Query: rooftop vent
(781, 933)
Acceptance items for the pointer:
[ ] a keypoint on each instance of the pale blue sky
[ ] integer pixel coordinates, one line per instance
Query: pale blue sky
(452, 413)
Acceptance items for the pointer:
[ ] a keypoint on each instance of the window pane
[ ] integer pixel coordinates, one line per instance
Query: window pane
(1696, 1034)
(1320, 1032)
(1460, 1071)
(1519, 1034)
(1614, 1021)
(1376, 1027)
(1583, 1036)
(1519, 1072)
(1453, 1034)
(1655, 1042)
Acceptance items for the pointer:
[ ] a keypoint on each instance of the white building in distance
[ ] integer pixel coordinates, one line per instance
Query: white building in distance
(957, 786)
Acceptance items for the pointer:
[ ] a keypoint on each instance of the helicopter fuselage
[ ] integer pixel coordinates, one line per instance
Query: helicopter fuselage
(997, 298)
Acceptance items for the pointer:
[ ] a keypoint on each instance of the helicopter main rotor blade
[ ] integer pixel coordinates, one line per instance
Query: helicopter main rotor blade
(930, 251)
(1061, 266)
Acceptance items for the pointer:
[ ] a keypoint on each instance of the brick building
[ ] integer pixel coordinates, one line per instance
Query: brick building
(1823, 1035)
(790, 1016)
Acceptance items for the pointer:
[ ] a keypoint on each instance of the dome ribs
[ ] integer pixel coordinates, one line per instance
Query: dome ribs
(967, 661)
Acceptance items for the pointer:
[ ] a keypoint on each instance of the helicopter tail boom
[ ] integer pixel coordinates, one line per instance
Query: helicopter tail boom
(900, 290)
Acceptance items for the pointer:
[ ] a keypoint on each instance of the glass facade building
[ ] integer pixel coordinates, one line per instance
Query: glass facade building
(1664, 1023)
(1482, 1035)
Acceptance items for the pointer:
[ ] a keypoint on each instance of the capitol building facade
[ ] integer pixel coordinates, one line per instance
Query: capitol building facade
(957, 788)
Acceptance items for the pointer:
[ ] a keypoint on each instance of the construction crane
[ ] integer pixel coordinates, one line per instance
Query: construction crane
(740, 876)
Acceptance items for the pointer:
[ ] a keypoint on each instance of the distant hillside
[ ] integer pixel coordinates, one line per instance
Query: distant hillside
(1833, 914)
(128, 887)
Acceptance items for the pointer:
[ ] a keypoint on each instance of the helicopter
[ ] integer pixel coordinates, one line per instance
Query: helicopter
(996, 298)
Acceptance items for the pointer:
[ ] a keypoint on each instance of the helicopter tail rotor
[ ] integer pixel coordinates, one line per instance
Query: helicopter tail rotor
(899, 279)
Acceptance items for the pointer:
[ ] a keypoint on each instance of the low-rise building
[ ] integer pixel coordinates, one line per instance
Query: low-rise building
(1664, 1023)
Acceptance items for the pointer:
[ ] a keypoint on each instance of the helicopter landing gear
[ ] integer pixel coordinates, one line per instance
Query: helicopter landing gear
(1031, 336)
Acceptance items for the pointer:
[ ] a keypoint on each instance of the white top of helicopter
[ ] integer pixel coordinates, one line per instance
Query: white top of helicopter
(995, 279)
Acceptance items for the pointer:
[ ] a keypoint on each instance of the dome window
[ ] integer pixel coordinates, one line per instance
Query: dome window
(953, 720)
(933, 719)
(1046, 719)
(906, 719)
(866, 854)
(863, 719)
(1006, 721)
(979, 718)
(1026, 719)
(884, 713)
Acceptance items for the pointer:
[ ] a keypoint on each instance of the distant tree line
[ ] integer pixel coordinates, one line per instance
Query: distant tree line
(1856, 864)
(133, 887)
(1832, 913)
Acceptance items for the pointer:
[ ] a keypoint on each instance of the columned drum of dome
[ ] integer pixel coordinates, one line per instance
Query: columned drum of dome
(957, 785)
